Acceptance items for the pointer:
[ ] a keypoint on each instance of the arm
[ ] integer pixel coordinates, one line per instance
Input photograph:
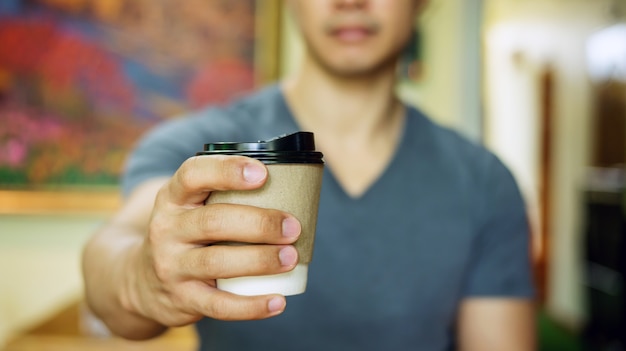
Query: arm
(152, 266)
(105, 260)
(497, 311)
(487, 324)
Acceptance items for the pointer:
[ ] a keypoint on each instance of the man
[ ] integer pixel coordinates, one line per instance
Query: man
(422, 238)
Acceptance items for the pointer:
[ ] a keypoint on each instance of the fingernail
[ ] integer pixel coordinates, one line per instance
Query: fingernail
(291, 227)
(276, 304)
(253, 173)
(288, 256)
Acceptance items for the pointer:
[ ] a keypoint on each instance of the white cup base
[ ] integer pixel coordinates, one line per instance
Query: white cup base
(288, 283)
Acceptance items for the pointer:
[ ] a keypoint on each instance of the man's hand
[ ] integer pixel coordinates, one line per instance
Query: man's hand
(167, 274)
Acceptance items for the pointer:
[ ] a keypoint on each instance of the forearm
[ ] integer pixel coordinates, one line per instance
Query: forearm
(110, 261)
(496, 324)
(142, 271)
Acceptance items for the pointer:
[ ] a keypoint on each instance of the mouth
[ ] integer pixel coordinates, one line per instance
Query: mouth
(353, 31)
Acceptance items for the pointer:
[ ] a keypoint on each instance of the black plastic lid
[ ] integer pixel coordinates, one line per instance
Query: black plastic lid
(298, 147)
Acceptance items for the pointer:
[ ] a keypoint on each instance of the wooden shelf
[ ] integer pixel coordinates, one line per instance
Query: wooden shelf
(63, 333)
(55, 202)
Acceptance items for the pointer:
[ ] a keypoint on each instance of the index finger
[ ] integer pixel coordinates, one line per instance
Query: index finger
(199, 175)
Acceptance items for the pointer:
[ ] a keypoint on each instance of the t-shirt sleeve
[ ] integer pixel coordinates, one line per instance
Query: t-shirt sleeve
(161, 151)
(158, 153)
(500, 265)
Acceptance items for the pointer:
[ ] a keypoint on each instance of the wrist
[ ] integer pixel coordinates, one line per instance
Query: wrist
(129, 283)
(131, 273)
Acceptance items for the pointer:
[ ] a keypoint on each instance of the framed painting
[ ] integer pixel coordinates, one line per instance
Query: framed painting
(81, 80)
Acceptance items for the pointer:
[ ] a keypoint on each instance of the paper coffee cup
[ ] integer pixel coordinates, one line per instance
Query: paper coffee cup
(294, 181)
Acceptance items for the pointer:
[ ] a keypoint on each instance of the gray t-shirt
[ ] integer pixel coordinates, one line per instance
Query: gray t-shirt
(445, 221)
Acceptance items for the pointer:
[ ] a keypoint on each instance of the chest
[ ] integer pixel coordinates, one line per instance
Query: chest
(400, 251)
(357, 167)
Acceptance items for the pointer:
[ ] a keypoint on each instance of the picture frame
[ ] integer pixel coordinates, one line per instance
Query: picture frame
(91, 197)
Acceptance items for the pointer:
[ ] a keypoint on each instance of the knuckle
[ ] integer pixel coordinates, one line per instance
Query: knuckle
(212, 218)
(220, 309)
(212, 261)
(222, 164)
(267, 259)
(163, 270)
(161, 195)
(157, 228)
(269, 222)
(186, 173)
(157, 245)
(178, 314)
(227, 168)
(220, 168)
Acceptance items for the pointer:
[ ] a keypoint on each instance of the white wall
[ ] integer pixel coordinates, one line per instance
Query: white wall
(439, 93)
(521, 38)
(39, 267)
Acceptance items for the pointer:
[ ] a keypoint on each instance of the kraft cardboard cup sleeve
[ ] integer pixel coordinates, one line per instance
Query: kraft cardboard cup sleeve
(293, 185)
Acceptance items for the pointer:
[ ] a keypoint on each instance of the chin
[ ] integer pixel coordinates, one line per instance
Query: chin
(354, 65)
(359, 69)
(352, 72)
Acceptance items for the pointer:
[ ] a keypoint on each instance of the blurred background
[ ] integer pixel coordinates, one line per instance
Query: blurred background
(542, 83)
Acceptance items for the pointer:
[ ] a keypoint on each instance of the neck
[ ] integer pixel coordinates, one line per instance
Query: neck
(360, 106)
(356, 120)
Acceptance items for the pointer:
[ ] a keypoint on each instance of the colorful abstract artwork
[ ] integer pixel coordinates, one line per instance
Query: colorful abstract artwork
(81, 80)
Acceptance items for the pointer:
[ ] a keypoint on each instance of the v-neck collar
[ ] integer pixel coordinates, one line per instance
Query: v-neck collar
(400, 150)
